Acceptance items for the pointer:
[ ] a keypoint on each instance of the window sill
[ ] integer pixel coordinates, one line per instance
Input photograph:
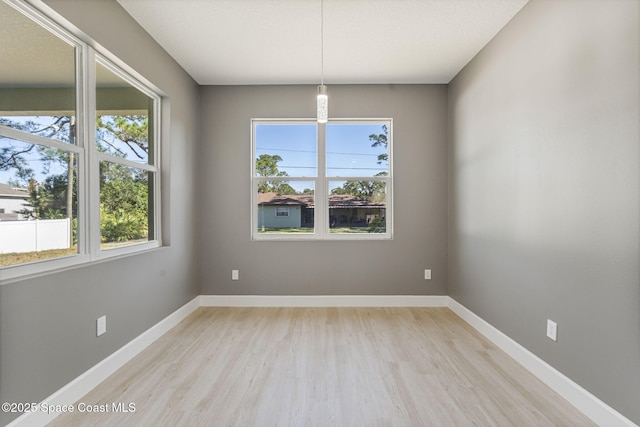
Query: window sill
(326, 238)
(33, 270)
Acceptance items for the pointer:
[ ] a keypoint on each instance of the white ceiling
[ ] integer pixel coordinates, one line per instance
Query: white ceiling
(229, 42)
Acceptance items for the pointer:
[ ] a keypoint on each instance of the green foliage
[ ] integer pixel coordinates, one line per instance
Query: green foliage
(122, 225)
(124, 203)
(48, 200)
(367, 190)
(381, 140)
(122, 187)
(377, 225)
(74, 230)
(267, 165)
(124, 191)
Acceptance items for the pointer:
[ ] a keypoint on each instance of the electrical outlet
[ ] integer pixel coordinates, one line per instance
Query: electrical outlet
(427, 275)
(101, 325)
(235, 274)
(552, 330)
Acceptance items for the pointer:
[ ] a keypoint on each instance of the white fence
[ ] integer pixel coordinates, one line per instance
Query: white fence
(33, 236)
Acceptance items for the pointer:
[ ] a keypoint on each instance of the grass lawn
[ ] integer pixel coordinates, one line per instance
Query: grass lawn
(111, 245)
(24, 257)
(343, 230)
(286, 230)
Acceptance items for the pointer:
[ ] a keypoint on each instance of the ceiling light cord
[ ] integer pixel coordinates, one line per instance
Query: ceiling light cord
(322, 42)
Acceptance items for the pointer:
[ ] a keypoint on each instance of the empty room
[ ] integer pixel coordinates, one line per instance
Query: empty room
(320, 212)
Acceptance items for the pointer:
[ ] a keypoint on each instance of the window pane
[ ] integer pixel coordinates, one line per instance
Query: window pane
(286, 149)
(124, 118)
(37, 78)
(357, 206)
(38, 202)
(286, 207)
(126, 207)
(357, 150)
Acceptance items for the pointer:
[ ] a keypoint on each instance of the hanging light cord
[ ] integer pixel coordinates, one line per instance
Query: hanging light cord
(322, 42)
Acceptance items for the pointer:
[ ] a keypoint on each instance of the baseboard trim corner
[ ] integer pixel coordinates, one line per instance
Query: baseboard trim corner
(80, 386)
(594, 408)
(324, 300)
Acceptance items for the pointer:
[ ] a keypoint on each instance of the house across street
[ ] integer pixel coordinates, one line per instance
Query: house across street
(297, 210)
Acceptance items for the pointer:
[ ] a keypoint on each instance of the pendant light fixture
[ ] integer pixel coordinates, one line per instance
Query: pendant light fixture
(323, 99)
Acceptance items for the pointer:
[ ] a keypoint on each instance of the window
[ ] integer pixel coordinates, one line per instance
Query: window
(280, 211)
(330, 181)
(125, 139)
(69, 195)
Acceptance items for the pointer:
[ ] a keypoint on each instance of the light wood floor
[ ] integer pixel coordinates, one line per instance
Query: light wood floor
(325, 367)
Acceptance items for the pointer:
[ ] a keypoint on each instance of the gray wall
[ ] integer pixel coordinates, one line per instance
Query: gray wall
(321, 267)
(544, 185)
(48, 324)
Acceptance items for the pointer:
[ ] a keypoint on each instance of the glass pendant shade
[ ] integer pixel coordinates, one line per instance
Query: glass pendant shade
(323, 104)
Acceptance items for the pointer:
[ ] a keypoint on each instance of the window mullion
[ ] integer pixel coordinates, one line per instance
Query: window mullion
(31, 138)
(93, 192)
(321, 210)
(81, 142)
(125, 162)
(155, 151)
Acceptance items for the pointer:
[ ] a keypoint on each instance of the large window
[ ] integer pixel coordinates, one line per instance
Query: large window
(314, 181)
(69, 194)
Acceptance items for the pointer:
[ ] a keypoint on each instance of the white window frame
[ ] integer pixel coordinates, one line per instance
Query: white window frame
(321, 185)
(88, 157)
(151, 166)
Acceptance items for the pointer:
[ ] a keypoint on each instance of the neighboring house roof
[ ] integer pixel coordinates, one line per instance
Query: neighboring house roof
(8, 191)
(307, 200)
(285, 199)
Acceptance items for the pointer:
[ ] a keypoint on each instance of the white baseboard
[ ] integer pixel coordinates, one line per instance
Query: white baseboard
(77, 388)
(324, 300)
(598, 411)
(591, 406)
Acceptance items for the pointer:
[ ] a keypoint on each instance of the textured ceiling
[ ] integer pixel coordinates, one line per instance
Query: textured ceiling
(223, 42)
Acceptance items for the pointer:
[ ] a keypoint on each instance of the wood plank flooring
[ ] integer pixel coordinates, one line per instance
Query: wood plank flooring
(324, 367)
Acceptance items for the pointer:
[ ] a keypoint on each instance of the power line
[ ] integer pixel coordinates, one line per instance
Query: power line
(312, 151)
(328, 167)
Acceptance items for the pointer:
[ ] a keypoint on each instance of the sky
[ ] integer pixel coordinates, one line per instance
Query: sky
(349, 150)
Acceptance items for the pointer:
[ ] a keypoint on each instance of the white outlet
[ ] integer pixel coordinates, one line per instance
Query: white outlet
(235, 274)
(427, 275)
(552, 330)
(101, 325)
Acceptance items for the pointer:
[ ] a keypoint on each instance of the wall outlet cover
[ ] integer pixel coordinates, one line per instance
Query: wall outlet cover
(552, 330)
(101, 325)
